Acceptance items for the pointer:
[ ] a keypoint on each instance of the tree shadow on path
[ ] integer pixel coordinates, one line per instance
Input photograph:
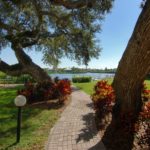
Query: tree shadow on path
(89, 131)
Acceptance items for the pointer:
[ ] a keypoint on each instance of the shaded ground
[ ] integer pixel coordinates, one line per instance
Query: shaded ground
(76, 129)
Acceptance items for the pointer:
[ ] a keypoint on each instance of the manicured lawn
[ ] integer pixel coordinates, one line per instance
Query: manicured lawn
(36, 123)
(148, 83)
(88, 87)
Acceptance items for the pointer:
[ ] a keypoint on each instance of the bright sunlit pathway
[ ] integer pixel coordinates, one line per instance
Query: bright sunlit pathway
(76, 129)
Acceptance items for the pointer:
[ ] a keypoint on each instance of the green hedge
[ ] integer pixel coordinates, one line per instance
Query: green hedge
(5, 79)
(2, 75)
(81, 79)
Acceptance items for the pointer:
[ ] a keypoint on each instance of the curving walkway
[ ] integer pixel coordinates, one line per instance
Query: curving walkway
(76, 129)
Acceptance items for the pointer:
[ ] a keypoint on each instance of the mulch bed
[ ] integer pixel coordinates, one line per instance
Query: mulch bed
(51, 104)
(140, 142)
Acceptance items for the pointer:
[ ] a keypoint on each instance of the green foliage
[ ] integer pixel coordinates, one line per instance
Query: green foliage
(88, 87)
(15, 80)
(23, 79)
(2, 75)
(53, 27)
(35, 121)
(103, 98)
(81, 79)
(46, 90)
(81, 70)
(147, 82)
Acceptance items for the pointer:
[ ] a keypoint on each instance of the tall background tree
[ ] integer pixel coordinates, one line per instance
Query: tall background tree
(36, 24)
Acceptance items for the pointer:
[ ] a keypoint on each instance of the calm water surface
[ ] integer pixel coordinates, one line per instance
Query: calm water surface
(95, 76)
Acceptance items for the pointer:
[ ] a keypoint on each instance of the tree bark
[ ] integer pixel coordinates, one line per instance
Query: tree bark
(25, 65)
(31, 68)
(134, 66)
(13, 70)
(131, 72)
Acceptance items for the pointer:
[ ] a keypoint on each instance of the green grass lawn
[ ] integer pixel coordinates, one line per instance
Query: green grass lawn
(36, 123)
(88, 87)
(147, 83)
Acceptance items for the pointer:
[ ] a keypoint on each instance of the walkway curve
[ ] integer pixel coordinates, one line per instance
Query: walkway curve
(76, 129)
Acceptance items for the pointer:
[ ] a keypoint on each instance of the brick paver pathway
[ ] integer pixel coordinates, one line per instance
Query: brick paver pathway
(76, 129)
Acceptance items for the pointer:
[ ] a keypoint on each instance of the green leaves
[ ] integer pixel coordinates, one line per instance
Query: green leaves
(63, 28)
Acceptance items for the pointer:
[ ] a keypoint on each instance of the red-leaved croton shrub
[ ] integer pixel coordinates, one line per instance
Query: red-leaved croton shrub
(46, 90)
(64, 89)
(103, 98)
(145, 113)
(145, 93)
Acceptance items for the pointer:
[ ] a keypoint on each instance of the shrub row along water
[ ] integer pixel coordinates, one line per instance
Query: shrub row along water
(81, 79)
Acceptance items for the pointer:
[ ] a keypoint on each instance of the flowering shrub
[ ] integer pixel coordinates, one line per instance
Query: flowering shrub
(64, 89)
(145, 113)
(103, 98)
(145, 93)
(46, 90)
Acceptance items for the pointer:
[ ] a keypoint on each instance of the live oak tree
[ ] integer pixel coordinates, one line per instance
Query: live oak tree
(60, 28)
(52, 58)
(128, 83)
(73, 23)
(134, 66)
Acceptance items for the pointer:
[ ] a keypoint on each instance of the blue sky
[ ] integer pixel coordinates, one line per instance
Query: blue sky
(116, 31)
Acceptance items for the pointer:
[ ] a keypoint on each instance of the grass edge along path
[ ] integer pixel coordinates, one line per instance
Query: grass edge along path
(89, 86)
(36, 123)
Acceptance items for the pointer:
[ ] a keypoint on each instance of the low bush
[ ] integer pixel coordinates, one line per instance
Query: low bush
(81, 79)
(145, 93)
(23, 79)
(2, 75)
(5, 79)
(103, 98)
(46, 90)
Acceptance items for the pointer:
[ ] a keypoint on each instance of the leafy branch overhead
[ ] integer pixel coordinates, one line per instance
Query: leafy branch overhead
(37, 24)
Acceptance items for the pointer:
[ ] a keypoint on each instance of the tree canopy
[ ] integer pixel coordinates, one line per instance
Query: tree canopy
(63, 28)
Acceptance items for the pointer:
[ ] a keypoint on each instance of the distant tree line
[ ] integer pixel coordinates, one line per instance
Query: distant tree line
(80, 70)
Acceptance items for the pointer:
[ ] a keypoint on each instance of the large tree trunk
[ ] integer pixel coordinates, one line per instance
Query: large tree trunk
(31, 68)
(134, 65)
(25, 65)
(132, 70)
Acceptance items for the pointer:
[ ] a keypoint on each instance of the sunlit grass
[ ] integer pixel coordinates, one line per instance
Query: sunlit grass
(36, 123)
(88, 87)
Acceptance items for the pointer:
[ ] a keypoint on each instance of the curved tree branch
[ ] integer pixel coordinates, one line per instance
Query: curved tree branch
(7, 27)
(13, 70)
(26, 62)
(38, 12)
(73, 4)
(22, 57)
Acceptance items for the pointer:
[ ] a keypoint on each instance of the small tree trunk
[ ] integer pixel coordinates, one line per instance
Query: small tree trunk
(134, 65)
